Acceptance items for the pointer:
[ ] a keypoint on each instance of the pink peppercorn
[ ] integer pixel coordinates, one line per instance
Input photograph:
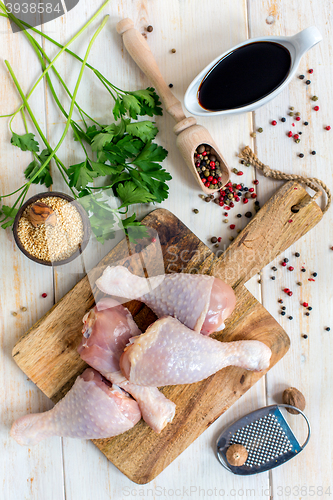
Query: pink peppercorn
(286, 290)
(239, 186)
(219, 179)
(298, 118)
(296, 136)
(290, 134)
(210, 178)
(245, 200)
(290, 268)
(237, 198)
(44, 295)
(232, 226)
(214, 181)
(253, 195)
(256, 182)
(316, 108)
(274, 122)
(153, 240)
(219, 239)
(290, 294)
(305, 304)
(207, 184)
(221, 203)
(231, 204)
(240, 173)
(222, 193)
(204, 179)
(328, 127)
(251, 190)
(227, 208)
(311, 71)
(311, 279)
(204, 153)
(212, 163)
(283, 264)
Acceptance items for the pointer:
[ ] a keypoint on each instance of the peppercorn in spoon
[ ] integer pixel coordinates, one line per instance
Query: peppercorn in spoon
(190, 136)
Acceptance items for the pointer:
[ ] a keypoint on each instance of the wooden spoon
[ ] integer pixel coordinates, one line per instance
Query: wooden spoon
(189, 135)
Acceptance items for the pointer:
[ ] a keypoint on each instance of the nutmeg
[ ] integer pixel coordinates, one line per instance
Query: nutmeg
(236, 455)
(40, 213)
(294, 397)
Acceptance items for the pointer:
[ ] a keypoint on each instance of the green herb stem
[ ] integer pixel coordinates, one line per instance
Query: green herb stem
(72, 101)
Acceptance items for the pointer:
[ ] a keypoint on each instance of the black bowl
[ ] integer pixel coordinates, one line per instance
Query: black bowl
(85, 221)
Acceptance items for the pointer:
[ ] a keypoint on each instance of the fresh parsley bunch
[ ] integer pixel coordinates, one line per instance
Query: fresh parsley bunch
(123, 154)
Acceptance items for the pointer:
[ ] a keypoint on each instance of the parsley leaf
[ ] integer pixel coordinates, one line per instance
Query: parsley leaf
(145, 130)
(81, 174)
(25, 142)
(10, 214)
(150, 102)
(130, 194)
(44, 177)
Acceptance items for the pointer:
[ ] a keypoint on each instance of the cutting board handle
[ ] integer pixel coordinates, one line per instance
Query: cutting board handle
(274, 228)
(139, 49)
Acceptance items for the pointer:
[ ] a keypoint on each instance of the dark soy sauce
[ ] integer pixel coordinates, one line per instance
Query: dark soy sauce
(244, 76)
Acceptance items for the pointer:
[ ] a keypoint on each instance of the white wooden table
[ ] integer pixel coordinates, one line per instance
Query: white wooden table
(70, 469)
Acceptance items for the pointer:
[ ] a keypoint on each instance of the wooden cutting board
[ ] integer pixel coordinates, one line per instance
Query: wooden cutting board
(47, 352)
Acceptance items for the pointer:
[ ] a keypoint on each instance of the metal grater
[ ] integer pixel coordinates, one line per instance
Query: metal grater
(267, 438)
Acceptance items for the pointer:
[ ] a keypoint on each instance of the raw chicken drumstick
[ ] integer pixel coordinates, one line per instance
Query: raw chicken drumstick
(170, 353)
(200, 302)
(90, 410)
(107, 329)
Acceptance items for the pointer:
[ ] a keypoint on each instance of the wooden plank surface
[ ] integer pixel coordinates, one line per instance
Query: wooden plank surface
(199, 31)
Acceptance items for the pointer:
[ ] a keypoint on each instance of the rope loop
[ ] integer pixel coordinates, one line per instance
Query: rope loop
(248, 155)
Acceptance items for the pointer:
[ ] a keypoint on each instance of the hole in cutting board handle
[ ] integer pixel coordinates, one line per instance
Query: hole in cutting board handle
(294, 209)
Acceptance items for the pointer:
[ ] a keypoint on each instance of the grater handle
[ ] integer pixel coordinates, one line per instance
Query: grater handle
(305, 418)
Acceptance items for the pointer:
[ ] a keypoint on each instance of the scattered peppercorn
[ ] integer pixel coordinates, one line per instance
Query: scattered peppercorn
(328, 127)
(301, 155)
(44, 295)
(310, 308)
(273, 278)
(283, 119)
(301, 77)
(316, 108)
(170, 85)
(310, 71)
(283, 308)
(150, 28)
(216, 246)
(304, 336)
(283, 313)
(308, 82)
(291, 113)
(260, 130)
(297, 254)
(305, 304)
(253, 134)
(274, 122)
(290, 293)
(290, 134)
(283, 264)
(290, 268)
(292, 108)
(274, 268)
(239, 215)
(173, 51)
(306, 123)
(314, 275)
(314, 98)
(213, 239)
(285, 260)
(14, 313)
(195, 210)
(328, 329)
(307, 314)
(299, 283)
(23, 309)
(303, 270)
(290, 317)
(313, 152)
(298, 118)
(280, 301)
(248, 215)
